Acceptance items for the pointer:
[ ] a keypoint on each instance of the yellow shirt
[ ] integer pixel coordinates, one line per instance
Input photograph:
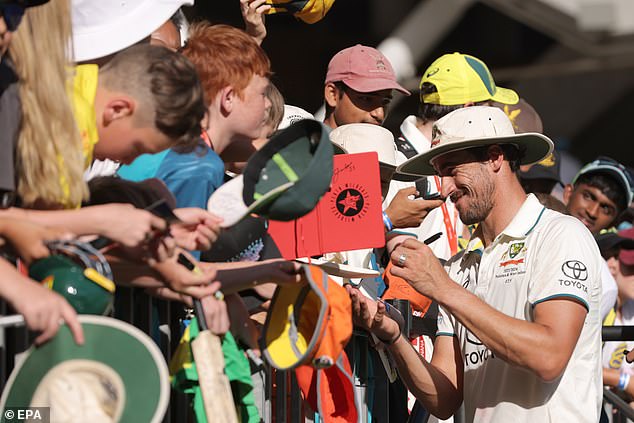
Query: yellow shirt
(82, 90)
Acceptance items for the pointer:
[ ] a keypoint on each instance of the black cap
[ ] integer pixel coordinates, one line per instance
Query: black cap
(24, 3)
(548, 168)
(612, 240)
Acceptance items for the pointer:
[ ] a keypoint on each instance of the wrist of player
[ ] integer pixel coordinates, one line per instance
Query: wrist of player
(445, 291)
(390, 334)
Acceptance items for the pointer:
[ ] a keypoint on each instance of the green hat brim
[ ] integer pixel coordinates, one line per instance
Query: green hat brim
(306, 151)
(116, 344)
(284, 180)
(227, 201)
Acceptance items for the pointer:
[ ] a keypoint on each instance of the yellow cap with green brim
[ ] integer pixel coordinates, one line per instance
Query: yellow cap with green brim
(460, 79)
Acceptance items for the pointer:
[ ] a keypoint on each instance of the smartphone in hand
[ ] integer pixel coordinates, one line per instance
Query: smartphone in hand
(432, 196)
(424, 187)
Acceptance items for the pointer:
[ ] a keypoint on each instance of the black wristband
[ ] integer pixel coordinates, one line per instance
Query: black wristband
(391, 342)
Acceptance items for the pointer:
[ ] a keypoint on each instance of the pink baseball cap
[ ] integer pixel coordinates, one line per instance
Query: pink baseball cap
(626, 256)
(364, 69)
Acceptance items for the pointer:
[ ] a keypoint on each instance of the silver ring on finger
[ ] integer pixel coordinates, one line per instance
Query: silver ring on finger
(401, 259)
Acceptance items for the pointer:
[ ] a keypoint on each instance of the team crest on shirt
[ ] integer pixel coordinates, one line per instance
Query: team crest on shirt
(512, 262)
(515, 249)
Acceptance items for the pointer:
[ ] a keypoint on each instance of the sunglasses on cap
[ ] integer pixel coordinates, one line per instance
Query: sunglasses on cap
(12, 14)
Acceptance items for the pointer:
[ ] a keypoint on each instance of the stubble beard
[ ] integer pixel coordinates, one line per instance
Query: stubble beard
(481, 199)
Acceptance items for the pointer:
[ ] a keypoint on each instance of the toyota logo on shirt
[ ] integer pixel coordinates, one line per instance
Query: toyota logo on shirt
(575, 269)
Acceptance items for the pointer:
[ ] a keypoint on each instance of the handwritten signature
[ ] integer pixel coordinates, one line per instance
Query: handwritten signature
(347, 168)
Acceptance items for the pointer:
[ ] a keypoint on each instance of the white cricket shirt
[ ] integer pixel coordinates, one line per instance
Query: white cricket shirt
(541, 255)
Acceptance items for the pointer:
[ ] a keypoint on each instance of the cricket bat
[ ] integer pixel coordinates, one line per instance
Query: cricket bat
(210, 364)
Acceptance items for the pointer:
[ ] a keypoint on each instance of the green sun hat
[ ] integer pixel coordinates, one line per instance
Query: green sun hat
(284, 180)
(118, 375)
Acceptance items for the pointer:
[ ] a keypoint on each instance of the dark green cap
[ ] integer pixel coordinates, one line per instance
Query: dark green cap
(284, 180)
(302, 154)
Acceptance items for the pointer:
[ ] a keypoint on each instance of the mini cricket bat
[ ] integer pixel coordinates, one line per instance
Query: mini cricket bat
(210, 364)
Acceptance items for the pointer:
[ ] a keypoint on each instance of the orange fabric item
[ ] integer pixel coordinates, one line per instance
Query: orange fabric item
(330, 391)
(338, 330)
(398, 288)
(307, 324)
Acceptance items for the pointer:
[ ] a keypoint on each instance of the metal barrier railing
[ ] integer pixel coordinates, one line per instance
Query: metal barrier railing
(161, 320)
(623, 407)
(618, 333)
(282, 397)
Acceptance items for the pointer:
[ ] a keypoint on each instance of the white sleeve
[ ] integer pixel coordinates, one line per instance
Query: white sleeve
(565, 263)
(609, 290)
(446, 323)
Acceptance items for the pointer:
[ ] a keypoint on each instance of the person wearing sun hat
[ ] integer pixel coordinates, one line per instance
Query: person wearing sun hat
(354, 138)
(450, 82)
(535, 282)
(476, 127)
(102, 29)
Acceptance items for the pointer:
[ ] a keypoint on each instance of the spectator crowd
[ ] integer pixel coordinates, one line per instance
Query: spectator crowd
(121, 121)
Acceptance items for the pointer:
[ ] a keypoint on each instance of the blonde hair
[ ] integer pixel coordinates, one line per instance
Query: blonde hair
(276, 111)
(49, 159)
